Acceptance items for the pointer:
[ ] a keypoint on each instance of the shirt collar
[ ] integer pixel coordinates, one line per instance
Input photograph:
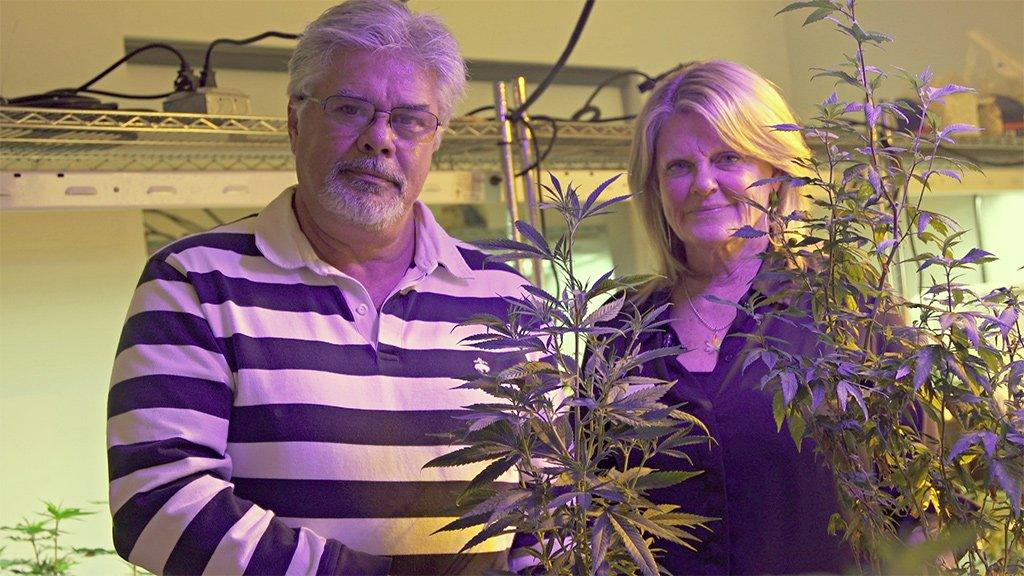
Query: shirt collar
(281, 241)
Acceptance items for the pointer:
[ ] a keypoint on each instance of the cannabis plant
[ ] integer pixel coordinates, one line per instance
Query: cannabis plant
(571, 418)
(915, 403)
(49, 556)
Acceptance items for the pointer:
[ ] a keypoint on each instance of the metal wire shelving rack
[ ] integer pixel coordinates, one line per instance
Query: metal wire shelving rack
(102, 140)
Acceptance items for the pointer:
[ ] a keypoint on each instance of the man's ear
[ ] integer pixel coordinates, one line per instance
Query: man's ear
(293, 120)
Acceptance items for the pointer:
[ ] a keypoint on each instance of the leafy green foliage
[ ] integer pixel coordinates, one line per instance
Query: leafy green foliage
(957, 360)
(49, 557)
(575, 419)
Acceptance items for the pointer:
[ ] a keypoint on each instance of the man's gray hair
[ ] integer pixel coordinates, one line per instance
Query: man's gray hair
(380, 25)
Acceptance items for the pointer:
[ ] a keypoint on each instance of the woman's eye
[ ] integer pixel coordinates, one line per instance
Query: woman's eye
(677, 167)
(730, 158)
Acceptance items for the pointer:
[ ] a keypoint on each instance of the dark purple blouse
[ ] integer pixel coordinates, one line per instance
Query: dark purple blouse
(774, 503)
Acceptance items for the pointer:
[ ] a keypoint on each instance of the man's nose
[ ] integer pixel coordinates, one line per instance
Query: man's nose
(377, 137)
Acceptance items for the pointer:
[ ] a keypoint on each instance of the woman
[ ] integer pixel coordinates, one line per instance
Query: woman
(702, 139)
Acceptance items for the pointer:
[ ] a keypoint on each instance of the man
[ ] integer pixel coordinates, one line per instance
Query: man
(281, 380)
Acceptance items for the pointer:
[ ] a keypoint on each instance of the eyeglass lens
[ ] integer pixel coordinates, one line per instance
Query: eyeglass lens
(408, 123)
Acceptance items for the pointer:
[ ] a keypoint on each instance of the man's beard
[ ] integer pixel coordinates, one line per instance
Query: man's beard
(363, 202)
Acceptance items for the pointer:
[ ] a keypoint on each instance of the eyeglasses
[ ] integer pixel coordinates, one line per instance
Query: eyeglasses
(353, 113)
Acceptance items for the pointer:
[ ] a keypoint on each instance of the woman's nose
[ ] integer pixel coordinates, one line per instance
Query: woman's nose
(704, 182)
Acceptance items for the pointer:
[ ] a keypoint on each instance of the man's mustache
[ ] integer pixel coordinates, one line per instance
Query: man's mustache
(372, 166)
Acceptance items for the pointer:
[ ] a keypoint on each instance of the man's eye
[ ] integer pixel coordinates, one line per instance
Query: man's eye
(407, 120)
(348, 110)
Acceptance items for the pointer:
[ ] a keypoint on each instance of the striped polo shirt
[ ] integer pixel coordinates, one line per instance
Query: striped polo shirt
(265, 418)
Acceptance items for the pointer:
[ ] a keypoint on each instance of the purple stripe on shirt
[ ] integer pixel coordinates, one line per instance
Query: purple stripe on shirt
(432, 307)
(351, 498)
(162, 327)
(200, 538)
(441, 363)
(160, 270)
(167, 391)
(239, 243)
(123, 460)
(246, 352)
(274, 551)
(340, 560)
(317, 423)
(133, 516)
(216, 288)
(468, 563)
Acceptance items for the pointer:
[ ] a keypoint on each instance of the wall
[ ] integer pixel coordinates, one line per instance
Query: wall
(65, 281)
(928, 34)
(65, 278)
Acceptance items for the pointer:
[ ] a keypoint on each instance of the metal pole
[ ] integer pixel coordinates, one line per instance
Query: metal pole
(526, 160)
(981, 239)
(505, 152)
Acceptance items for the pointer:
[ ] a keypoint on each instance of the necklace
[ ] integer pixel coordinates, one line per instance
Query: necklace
(715, 343)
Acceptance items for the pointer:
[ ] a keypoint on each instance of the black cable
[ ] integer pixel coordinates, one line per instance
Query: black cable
(580, 23)
(648, 85)
(476, 111)
(539, 157)
(185, 68)
(128, 96)
(587, 105)
(206, 78)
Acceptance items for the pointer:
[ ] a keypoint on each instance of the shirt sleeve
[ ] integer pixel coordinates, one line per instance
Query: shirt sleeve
(168, 412)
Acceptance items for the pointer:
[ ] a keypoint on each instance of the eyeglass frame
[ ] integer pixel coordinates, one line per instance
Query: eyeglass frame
(429, 135)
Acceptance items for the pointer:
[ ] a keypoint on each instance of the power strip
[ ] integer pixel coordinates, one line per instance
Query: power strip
(215, 101)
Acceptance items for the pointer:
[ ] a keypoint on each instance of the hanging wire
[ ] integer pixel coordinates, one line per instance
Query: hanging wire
(185, 68)
(479, 110)
(588, 104)
(207, 78)
(576, 33)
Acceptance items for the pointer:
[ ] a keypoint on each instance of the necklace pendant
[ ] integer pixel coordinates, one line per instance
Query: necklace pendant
(713, 345)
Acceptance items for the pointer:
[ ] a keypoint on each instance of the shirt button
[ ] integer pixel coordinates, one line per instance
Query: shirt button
(361, 309)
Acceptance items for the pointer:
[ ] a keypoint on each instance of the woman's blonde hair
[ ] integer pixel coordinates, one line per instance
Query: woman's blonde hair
(742, 106)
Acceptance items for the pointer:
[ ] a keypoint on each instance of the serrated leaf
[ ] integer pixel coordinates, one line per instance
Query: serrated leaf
(749, 231)
(463, 456)
(492, 472)
(817, 397)
(500, 526)
(974, 255)
(923, 364)
(843, 394)
(664, 479)
(819, 14)
(789, 387)
(804, 4)
(600, 538)
(635, 545)
(1010, 485)
(923, 218)
(963, 443)
(605, 312)
(778, 410)
(933, 93)
(597, 192)
(533, 236)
